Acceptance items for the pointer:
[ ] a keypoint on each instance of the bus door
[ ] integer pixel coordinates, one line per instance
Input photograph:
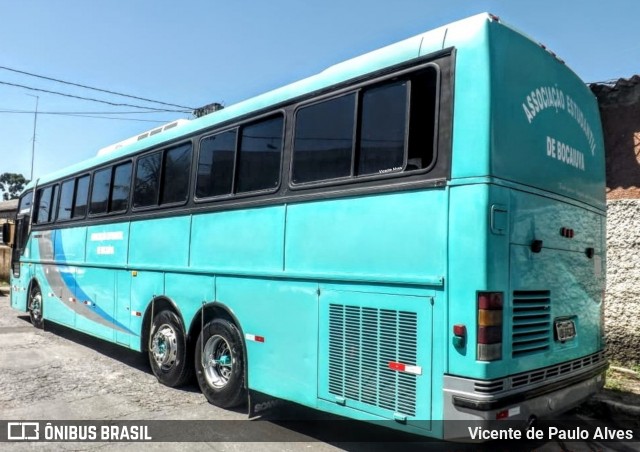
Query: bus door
(20, 273)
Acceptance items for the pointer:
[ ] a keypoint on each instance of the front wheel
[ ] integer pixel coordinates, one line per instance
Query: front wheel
(35, 307)
(219, 360)
(168, 350)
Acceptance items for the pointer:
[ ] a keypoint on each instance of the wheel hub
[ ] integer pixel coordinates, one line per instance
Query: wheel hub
(35, 306)
(164, 346)
(217, 361)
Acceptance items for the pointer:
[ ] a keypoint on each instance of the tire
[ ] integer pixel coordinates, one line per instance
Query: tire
(219, 363)
(168, 353)
(35, 306)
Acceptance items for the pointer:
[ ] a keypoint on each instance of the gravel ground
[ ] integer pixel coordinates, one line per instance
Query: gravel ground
(59, 374)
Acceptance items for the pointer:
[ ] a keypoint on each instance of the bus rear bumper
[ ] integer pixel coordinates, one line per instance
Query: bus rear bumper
(464, 410)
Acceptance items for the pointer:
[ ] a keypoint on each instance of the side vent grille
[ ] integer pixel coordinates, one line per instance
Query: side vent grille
(531, 322)
(362, 343)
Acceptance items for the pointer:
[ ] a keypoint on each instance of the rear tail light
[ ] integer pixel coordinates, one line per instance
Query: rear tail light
(489, 326)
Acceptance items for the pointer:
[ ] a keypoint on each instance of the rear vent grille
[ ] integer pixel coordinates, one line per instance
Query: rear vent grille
(362, 343)
(556, 371)
(540, 376)
(488, 387)
(531, 322)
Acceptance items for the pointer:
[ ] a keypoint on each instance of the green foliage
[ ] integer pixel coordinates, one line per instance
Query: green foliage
(12, 184)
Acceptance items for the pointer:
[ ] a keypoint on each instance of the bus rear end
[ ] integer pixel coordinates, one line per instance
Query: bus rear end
(527, 238)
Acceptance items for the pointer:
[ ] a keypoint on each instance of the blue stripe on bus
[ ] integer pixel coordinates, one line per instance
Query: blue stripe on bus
(71, 281)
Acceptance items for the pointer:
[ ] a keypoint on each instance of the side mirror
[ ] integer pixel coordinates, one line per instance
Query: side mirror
(6, 234)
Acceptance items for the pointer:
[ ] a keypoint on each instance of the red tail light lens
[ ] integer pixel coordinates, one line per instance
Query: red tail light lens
(489, 337)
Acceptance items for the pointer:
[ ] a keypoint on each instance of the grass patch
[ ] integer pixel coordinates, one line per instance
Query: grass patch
(613, 383)
(623, 379)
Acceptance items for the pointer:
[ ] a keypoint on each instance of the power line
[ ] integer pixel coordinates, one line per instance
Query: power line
(92, 99)
(82, 112)
(94, 89)
(85, 115)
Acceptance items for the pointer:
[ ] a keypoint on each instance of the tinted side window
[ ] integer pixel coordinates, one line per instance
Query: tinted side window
(120, 188)
(25, 203)
(324, 140)
(383, 127)
(177, 167)
(100, 191)
(82, 195)
(147, 184)
(66, 200)
(215, 164)
(424, 107)
(44, 205)
(259, 156)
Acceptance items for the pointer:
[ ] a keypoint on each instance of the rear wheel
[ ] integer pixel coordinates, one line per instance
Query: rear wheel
(219, 362)
(168, 350)
(35, 306)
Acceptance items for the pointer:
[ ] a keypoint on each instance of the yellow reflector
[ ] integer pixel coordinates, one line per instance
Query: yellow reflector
(489, 318)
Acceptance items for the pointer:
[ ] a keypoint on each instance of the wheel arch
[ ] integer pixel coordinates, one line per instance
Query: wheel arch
(33, 282)
(155, 305)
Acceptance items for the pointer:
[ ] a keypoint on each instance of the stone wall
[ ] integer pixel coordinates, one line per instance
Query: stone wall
(622, 299)
(620, 111)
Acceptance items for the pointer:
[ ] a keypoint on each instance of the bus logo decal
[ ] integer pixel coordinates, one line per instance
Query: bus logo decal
(104, 236)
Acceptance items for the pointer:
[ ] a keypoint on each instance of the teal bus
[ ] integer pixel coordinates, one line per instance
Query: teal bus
(415, 235)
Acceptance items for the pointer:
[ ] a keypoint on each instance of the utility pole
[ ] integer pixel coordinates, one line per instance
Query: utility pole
(33, 142)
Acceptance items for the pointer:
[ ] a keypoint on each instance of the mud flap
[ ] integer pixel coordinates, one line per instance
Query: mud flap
(260, 404)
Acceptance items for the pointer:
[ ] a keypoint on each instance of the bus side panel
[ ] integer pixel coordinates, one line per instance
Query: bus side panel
(57, 283)
(162, 243)
(242, 240)
(69, 245)
(188, 292)
(285, 314)
(94, 295)
(123, 312)
(144, 287)
(107, 244)
(398, 237)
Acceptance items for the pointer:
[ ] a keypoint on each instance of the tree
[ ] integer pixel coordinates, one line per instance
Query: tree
(12, 184)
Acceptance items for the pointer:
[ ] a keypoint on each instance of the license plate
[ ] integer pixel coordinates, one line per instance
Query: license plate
(565, 330)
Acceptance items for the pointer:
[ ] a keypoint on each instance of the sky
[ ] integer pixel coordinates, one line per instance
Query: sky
(195, 52)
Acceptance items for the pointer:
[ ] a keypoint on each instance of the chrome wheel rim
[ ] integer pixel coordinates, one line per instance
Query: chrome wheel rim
(217, 361)
(164, 346)
(35, 306)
